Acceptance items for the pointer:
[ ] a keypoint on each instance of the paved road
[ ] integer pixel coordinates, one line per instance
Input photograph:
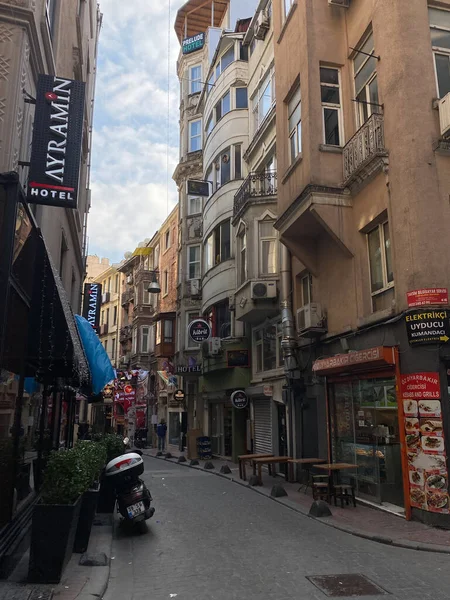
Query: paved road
(211, 539)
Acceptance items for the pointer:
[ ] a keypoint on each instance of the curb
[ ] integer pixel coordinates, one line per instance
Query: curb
(380, 539)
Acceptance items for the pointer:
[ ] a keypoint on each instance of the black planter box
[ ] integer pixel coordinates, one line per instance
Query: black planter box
(107, 496)
(38, 472)
(87, 513)
(52, 535)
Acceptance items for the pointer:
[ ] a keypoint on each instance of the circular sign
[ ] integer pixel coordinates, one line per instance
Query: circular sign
(128, 389)
(239, 399)
(199, 330)
(179, 395)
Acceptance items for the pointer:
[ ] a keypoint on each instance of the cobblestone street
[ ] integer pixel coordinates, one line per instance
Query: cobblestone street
(212, 539)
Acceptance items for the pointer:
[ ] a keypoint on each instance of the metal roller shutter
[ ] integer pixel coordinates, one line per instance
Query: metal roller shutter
(263, 426)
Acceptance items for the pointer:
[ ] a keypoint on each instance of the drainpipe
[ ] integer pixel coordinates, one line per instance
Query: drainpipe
(288, 344)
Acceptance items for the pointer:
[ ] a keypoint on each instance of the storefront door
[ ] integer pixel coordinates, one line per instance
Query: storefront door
(365, 431)
(216, 427)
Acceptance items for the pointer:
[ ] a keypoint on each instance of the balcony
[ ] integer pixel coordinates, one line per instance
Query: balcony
(365, 154)
(125, 334)
(127, 297)
(257, 186)
(143, 274)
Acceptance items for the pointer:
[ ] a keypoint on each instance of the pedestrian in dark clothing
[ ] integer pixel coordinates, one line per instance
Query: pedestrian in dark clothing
(161, 431)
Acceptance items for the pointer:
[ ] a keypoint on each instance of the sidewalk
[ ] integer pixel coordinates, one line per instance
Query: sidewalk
(78, 582)
(362, 521)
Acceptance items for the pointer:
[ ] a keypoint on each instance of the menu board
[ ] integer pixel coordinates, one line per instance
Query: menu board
(427, 457)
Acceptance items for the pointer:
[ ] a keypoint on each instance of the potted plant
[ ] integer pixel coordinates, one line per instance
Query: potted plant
(114, 447)
(39, 464)
(93, 456)
(55, 518)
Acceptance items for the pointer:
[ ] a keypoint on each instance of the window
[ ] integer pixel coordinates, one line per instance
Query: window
(106, 346)
(145, 334)
(223, 106)
(113, 349)
(295, 124)
(191, 316)
(195, 79)
(158, 333)
(107, 316)
(146, 296)
(134, 341)
(440, 41)
(194, 205)
(218, 245)
(165, 282)
(263, 99)
(168, 332)
(223, 169)
(151, 340)
(116, 284)
(331, 105)
(115, 316)
(243, 52)
(195, 135)
(241, 98)
(242, 245)
(109, 284)
(220, 319)
(210, 124)
(194, 262)
(237, 161)
(304, 290)
(226, 59)
(366, 83)
(267, 347)
(103, 318)
(268, 247)
(287, 7)
(156, 257)
(167, 240)
(252, 46)
(380, 258)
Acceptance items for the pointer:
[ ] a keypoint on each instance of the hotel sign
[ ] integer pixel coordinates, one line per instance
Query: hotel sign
(92, 303)
(194, 43)
(56, 146)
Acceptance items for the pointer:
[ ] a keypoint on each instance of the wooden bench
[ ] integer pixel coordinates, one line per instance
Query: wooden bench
(244, 458)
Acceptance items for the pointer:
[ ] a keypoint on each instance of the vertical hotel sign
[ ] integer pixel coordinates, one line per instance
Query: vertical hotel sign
(57, 138)
(92, 303)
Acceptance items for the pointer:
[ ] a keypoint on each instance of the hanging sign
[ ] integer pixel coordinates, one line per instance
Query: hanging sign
(194, 43)
(268, 390)
(428, 327)
(199, 330)
(239, 399)
(91, 304)
(426, 297)
(56, 145)
(196, 187)
(238, 358)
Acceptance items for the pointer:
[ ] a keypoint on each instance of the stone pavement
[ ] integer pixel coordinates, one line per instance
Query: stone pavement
(363, 521)
(213, 540)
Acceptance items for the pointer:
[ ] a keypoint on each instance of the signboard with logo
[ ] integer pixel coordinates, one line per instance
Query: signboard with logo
(238, 358)
(428, 327)
(427, 297)
(420, 385)
(199, 330)
(185, 370)
(56, 146)
(196, 187)
(268, 390)
(194, 43)
(91, 304)
(239, 399)
(179, 395)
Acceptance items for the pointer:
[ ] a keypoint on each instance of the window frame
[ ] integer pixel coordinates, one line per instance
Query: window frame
(168, 338)
(359, 106)
(287, 11)
(195, 212)
(301, 299)
(165, 283)
(242, 271)
(147, 337)
(257, 99)
(439, 50)
(332, 106)
(260, 343)
(297, 129)
(387, 285)
(197, 80)
(146, 296)
(196, 262)
(261, 240)
(197, 136)
(236, 100)
(216, 242)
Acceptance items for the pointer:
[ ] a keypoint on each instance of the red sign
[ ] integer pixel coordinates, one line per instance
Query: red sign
(420, 386)
(381, 355)
(427, 297)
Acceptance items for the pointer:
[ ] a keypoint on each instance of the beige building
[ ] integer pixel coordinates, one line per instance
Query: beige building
(94, 267)
(363, 206)
(112, 282)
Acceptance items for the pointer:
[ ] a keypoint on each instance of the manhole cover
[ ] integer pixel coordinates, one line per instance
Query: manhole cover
(346, 585)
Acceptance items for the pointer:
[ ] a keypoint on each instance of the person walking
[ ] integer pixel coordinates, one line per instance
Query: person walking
(161, 431)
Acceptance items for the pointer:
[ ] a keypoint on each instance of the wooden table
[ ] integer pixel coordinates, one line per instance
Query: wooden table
(333, 468)
(248, 458)
(302, 461)
(269, 461)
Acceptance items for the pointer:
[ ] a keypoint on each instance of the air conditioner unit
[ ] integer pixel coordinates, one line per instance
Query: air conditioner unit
(263, 289)
(444, 115)
(341, 3)
(214, 346)
(195, 287)
(130, 279)
(309, 317)
(262, 25)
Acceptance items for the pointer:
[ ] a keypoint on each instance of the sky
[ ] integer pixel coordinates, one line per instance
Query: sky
(132, 189)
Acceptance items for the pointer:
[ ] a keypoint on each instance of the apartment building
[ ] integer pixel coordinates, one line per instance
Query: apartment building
(111, 281)
(95, 266)
(362, 160)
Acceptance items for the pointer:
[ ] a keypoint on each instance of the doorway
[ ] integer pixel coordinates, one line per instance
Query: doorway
(221, 428)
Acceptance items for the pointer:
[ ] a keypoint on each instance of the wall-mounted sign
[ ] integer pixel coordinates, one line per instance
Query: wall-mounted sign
(239, 399)
(428, 327)
(427, 297)
(91, 304)
(199, 330)
(379, 356)
(420, 385)
(179, 395)
(196, 187)
(184, 370)
(194, 43)
(56, 145)
(238, 358)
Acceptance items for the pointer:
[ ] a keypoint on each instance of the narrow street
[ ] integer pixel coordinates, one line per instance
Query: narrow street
(211, 539)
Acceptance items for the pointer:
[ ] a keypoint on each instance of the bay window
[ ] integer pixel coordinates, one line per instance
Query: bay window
(218, 245)
(263, 99)
(194, 271)
(225, 167)
(168, 331)
(241, 98)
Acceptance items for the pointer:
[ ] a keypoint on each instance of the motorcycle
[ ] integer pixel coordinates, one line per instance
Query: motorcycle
(133, 496)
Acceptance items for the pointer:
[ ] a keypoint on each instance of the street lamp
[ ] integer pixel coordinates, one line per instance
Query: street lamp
(154, 287)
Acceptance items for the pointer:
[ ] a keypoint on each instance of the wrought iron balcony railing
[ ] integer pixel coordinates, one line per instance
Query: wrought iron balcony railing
(125, 333)
(257, 185)
(367, 143)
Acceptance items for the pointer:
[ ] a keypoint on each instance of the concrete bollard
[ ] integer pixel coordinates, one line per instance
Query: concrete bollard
(225, 469)
(278, 491)
(194, 462)
(181, 459)
(208, 466)
(319, 508)
(253, 481)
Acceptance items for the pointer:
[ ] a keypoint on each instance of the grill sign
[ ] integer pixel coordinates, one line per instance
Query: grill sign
(92, 302)
(194, 43)
(428, 326)
(57, 137)
(199, 330)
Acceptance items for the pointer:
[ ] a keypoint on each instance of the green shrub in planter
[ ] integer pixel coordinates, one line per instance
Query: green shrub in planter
(114, 447)
(65, 478)
(113, 444)
(93, 456)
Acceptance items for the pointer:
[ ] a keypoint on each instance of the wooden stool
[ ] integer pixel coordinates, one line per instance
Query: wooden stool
(344, 492)
(321, 490)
